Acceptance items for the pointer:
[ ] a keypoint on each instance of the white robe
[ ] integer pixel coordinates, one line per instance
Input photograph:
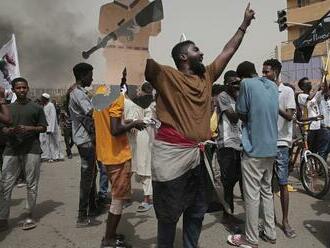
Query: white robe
(50, 143)
(141, 141)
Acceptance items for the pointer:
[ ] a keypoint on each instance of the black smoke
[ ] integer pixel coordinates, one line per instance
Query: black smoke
(49, 37)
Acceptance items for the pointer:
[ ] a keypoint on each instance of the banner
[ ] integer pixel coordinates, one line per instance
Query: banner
(9, 67)
(305, 44)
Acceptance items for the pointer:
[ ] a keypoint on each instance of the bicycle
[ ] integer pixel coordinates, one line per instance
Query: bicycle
(313, 170)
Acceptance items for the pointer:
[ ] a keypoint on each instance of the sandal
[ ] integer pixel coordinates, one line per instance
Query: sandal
(144, 207)
(239, 240)
(87, 222)
(116, 243)
(28, 224)
(265, 238)
(289, 233)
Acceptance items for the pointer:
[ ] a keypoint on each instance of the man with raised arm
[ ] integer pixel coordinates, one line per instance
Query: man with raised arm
(184, 109)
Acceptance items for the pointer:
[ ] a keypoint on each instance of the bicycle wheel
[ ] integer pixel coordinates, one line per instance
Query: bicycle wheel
(314, 175)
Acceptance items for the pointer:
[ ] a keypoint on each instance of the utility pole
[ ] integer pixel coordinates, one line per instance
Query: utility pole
(276, 53)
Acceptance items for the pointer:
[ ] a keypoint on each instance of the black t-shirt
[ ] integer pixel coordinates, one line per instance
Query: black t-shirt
(29, 114)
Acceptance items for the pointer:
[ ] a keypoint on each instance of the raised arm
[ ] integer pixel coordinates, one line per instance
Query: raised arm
(233, 44)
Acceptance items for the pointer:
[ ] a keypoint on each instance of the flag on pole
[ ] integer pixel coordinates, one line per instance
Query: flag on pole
(9, 67)
(325, 66)
(305, 44)
(183, 37)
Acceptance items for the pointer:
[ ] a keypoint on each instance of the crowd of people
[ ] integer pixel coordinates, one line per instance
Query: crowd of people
(163, 136)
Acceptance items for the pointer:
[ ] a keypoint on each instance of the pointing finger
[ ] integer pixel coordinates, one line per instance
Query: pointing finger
(248, 6)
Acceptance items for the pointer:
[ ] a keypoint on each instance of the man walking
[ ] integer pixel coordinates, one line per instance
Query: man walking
(184, 109)
(287, 106)
(22, 152)
(80, 108)
(51, 139)
(257, 105)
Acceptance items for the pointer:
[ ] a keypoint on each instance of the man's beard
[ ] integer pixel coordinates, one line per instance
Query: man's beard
(197, 67)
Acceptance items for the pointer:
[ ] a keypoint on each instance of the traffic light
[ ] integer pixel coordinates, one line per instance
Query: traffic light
(281, 20)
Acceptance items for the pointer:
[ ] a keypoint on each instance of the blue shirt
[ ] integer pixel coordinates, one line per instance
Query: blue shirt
(258, 100)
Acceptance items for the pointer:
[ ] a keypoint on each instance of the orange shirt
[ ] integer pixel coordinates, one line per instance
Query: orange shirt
(110, 150)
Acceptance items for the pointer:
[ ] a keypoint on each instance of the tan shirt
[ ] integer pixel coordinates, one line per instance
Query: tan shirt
(184, 101)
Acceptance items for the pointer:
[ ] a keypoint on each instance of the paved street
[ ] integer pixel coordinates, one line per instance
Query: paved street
(57, 210)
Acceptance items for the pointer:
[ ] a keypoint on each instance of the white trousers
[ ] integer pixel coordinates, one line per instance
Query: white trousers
(257, 176)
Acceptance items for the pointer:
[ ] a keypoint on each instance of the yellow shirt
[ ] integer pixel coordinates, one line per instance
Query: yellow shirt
(110, 150)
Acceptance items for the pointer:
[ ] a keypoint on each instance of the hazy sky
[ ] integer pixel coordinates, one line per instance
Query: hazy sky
(211, 23)
(70, 26)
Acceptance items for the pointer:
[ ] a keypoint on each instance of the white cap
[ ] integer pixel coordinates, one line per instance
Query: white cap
(46, 95)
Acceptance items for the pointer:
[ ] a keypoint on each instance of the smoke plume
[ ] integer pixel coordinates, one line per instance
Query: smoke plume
(49, 37)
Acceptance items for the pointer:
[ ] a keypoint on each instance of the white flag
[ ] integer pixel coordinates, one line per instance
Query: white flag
(9, 68)
(183, 37)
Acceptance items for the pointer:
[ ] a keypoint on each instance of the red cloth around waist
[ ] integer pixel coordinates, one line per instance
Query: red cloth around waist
(169, 134)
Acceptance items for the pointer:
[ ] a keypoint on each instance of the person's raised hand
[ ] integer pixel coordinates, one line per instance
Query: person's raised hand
(249, 15)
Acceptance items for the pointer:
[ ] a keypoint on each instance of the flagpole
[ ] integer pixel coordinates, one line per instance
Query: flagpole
(327, 61)
(16, 55)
